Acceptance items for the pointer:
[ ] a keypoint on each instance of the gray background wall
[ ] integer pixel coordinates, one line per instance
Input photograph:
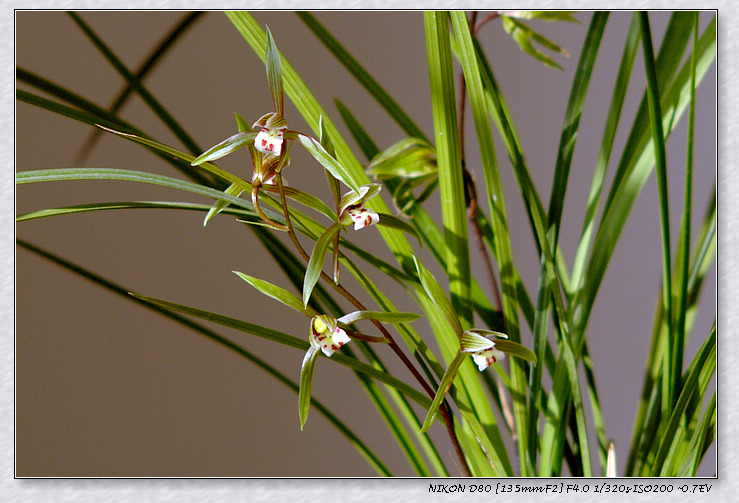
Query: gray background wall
(106, 388)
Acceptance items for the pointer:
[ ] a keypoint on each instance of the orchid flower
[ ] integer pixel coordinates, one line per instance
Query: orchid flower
(326, 335)
(269, 139)
(352, 209)
(481, 348)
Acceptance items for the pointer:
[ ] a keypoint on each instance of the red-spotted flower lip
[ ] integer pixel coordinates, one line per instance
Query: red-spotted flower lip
(271, 135)
(352, 209)
(362, 217)
(326, 334)
(481, 348)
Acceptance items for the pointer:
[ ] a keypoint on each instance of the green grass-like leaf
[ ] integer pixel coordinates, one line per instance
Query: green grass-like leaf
(306, 382)
(280, 294)
(274, 74)
(442, 390)
(226, 147)
(381, 316)
(451, 184)
(315, 264)
(327, 161)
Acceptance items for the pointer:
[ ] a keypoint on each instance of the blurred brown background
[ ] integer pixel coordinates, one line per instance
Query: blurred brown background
(107, 388)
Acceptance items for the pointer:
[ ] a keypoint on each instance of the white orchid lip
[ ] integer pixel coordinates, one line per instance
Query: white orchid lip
(269, 141)
(483, 359)
(481, 348)
(362, 217)
(352, 209)
(271, 135)
(325, 334)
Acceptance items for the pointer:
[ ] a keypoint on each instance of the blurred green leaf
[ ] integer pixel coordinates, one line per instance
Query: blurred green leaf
(408, 158)
(525, 37)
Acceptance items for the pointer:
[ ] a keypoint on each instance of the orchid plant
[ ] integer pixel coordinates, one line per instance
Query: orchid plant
(488, 386)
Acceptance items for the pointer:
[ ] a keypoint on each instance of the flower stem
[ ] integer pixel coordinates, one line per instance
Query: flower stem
(258, 209)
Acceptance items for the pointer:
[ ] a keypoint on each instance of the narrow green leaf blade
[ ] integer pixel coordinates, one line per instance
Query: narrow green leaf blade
(438, 297)
(327, 161)
(451, 180)
(290, 341)
(124, 205)
(442, 390)
(381, 316)
(387, 220)
(362, 76)
(233, 190)
(212, 168)
(277, 293)
(226, 147)
(515, 349)
(306, 383)
(60, 174)
(274, 74)
(315, 264)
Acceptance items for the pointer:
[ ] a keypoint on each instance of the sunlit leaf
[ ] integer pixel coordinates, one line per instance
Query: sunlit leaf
(277, 293)
(438, 297)
(274, 74)
(382, 316)
(327, 161)
(227, 146)
(315, 264)
(442, 390)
